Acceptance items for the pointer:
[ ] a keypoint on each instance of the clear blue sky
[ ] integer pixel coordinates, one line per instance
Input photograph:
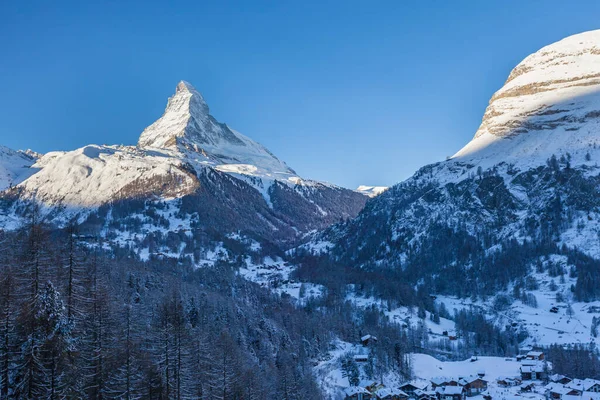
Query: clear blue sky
(350, 92)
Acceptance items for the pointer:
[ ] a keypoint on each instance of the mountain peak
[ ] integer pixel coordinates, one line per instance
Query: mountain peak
(187, 127)
(548, 105)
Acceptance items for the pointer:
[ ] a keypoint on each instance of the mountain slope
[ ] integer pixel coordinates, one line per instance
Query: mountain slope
(15, 166)
(195, 164)
(526, 187)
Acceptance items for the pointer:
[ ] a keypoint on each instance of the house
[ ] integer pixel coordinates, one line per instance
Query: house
(440, 381)
(527, 387)
(368, 339)
(451, 393)
(508, 382)
(371, 385)
(411, 387)
(585, 385)
(357, 393)
(555, 390)
(557, 378)
(474, 385)
(535, 355)
(532, 372)
(391, 394)
(590, 396)
(425, 394)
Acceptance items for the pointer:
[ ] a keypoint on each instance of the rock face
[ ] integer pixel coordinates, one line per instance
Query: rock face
(527, 187)
(549, 104)
(187, 160)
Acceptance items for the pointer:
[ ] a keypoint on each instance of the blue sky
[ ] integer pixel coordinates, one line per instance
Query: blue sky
(350, 92)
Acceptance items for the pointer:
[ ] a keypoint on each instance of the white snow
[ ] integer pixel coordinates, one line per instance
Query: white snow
(15, 166)
(371, 191)
(549, 105)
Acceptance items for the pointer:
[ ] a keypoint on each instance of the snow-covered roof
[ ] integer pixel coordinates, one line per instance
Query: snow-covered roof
(557, 388)
(383, 392)
(582, 384)
(367, 337)
(468, 379)
(352, 390)
(532, 368)
(535, 353)
(438, 380)
(452, 390)
(557, 377)
(368, 382)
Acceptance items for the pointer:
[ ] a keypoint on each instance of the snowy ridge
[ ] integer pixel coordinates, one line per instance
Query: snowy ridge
(186, 135)
(15, 166)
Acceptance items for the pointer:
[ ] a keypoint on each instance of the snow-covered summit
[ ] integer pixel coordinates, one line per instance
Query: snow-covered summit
(550, 104)
(187, 127)
(371, 191)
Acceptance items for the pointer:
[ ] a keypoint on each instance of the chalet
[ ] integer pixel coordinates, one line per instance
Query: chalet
(585, 385)
(357, 393)
(440, 381)
(508, 382)
(451, 393)
(411, 387)
(555, 390)
(425, 395)
(590, 396)
(391, 394)
(474, 385)
(368, 339)
(527, 387)
(532, 372)
(535, 355)
(557, 378)
(583, 396)
(371, 385)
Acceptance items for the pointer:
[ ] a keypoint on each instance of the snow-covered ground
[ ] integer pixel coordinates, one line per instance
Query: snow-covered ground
(275, 275)
(427, 367)
(406, 316)
(544, 326)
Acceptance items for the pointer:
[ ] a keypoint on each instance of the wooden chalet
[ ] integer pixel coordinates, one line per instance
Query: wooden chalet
(357, 393)
(451, 393)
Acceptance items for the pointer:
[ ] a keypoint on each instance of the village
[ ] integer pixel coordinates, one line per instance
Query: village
(531, 380)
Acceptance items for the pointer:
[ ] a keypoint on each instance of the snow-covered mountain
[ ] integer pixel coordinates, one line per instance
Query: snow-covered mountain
(525, 190)
(186, 127)
(550, 104)
(184, 154)
(371, 191)
(15, 166)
